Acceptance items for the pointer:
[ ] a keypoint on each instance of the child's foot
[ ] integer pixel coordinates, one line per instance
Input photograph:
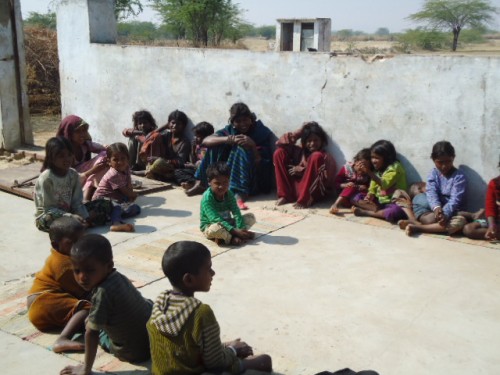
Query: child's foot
(236, 241)
(334, 210)
(241, 204)
(281, 201)
(219, 241)
(298, 206)
(357, 211)
(403, 224)
(195, 190)
(410, 230)
(63, 344)
(187, 185)
(122, 228)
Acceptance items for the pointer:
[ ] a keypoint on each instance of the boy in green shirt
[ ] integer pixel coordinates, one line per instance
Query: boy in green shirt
(220, 217)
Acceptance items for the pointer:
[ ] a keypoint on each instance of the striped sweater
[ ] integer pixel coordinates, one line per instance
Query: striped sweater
(185, 338)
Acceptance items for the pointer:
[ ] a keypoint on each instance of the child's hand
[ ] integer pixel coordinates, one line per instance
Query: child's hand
(369, 197)
(491, 234)
(244, 141)
(438, 213)
(348, 185)
(243, 350)
(296, 170)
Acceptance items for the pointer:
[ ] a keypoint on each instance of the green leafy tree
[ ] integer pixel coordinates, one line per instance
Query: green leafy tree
(127, 8)
(204, 22)
(382, 31)
(44, 21)
(455, 15)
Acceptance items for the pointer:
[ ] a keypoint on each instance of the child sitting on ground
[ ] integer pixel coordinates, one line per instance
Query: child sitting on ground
(218, 204)
(305, 174)
(91, 169)
(144, 124)
(444, 197)
(118, 316)
(488, 229)
(165, 151)
(183, 332)
(387, 177)
(58, 191)
(116, 185)
(352, 182)
(55, 299)
(185, 176)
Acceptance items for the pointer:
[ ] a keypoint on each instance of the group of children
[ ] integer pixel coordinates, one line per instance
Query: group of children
(79, 291)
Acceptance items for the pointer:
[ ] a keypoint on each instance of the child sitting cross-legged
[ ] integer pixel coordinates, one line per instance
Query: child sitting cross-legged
(116, 185)
(118, 316)
(55, 299)
(220, 217)
(183, 331)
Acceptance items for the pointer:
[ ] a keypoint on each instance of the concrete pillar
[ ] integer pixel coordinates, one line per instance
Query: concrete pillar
(80, 23)
(14, 107)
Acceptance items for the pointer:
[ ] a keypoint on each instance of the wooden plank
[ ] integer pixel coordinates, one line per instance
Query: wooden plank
(9, 176)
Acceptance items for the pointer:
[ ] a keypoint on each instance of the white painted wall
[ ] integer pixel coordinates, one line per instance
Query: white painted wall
(414, 101)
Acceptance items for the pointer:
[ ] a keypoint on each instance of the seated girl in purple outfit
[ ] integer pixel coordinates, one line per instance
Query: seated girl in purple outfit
(444, 196)
(116, 185)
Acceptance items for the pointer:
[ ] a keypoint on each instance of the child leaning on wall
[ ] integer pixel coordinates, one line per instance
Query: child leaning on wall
(220, 216)
(488, 229)
(143, 124)
(183, 331)
(55, 299)
(118, 316)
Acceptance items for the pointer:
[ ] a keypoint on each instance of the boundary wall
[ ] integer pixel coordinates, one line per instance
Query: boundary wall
(413, 101)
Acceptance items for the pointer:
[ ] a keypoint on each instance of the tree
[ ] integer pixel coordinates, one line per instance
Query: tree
(126, 8)
(44, 21)
(382, 31)
(204, 22)
(455, 14)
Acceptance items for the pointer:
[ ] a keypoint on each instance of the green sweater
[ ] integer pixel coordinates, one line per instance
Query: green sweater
(394, 177)
(214, 211)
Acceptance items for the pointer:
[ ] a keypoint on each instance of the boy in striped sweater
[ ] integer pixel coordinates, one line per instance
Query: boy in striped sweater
(183, 332)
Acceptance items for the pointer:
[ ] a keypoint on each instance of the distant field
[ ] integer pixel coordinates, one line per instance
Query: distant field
(489, 48)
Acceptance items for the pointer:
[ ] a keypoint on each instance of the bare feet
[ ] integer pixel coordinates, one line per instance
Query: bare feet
(63, 344)
(122, 228)
(358, 211)
(236, 241)
(403, 224)
(334, 210)
(187, 185)
(410, 230)
(298, 206)
(219, 241)
(281, 201)
(198, 188)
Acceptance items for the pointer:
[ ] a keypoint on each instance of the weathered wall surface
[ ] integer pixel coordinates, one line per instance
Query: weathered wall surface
(414, 101)
(14, 110)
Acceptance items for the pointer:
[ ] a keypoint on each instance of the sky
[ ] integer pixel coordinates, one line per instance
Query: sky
(362, 15)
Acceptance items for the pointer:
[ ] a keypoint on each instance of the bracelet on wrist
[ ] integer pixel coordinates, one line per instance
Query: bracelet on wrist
(233, 349)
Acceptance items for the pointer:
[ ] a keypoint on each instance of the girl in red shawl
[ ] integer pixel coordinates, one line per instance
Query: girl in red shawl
(90, 169)
(306, 174)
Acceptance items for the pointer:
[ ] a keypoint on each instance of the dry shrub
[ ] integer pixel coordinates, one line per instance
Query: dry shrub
(42, 69)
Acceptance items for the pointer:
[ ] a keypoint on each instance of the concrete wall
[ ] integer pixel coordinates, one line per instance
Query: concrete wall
(414, 101)
(14, 108)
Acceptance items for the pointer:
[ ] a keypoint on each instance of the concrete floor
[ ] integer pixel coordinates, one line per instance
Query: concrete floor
(321, 294)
